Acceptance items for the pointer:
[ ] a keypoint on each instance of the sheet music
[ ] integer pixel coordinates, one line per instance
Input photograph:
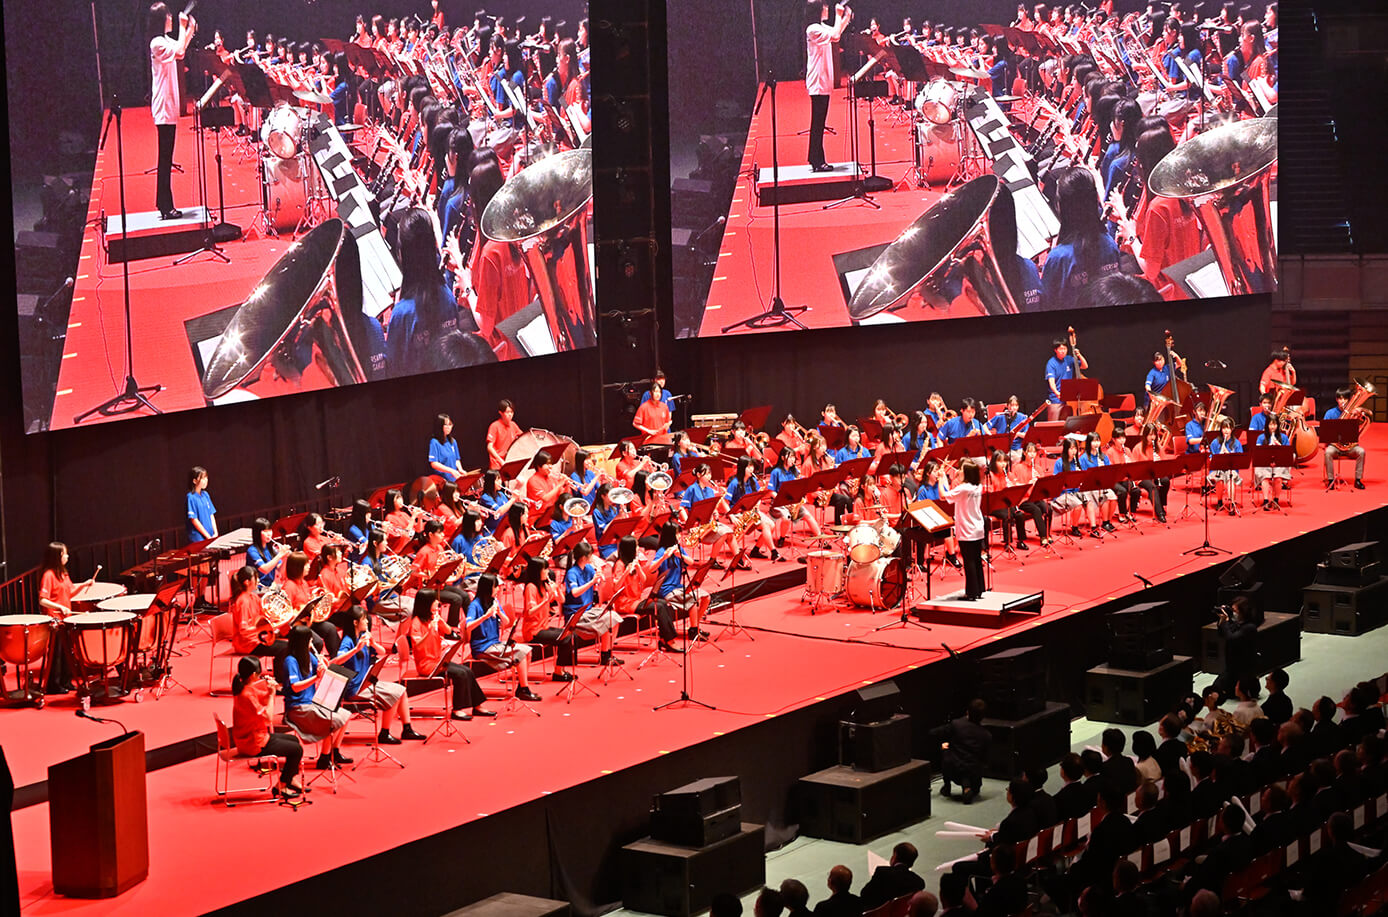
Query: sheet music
(330, 689)
(1208, 282)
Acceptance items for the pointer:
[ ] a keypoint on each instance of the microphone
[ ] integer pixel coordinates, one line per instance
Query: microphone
(1145, 581)
(1215, 364)
(333, 481)
(84, 714)
(153, 544)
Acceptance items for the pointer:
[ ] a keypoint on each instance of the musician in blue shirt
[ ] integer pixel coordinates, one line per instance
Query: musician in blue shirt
(443, 450)
(963, 425)
(359, 652)
(1070, 498)
(1060, 367)
(918, 438)
(1262, 476)
(263, 553)
(1010, 419)
(1083, 250)
(684, 451)
(494, 500)
(671, 561)
(202, 515)
(1259, 421)
(580, 588)
(485, 619)
(1157, 377)
(743, 482)
(852, 447)
(1332, 450)
(1225, 481)
(1195, 429)
(584, 475)
(1104, 500)
(604, 511)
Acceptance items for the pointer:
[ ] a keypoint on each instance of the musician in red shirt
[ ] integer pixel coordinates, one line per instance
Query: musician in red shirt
(500, 282)
(250, 631)
(311, 535)
(502, 433)
(790, 438)
(1280, 369)
(55, 597)
(426, 561)
(544, 486)
(252, 724)
(653, 418)
(628, 463)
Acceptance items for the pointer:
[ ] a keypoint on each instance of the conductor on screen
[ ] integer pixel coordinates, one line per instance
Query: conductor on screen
(819, 69)
(164, 54)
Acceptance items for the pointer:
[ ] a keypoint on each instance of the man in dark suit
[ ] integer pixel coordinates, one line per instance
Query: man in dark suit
(1274, 827)
(1206, 796)
(1334, 868)
(893, 880)
(1172, 749)
(1118, 768)
(1278, 706)
(1112, 836)
(1233, 774)
(1232, 852)
(1294, 756)
(1017, 827)
(1007, 895)
(1151, 824)
(1075, 798)
(1262, 733)
(768, 904)
(796, 898)
(1325, 735)
(1043, 804)
(954, 896)
(1362, 715)
(1373, 773)
(965, 742)
(841, 902)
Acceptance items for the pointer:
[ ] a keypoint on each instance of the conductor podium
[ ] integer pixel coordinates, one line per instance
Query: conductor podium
(97, 819)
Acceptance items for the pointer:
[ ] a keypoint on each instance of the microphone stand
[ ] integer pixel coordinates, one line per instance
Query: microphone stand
(686, 699)
(777, 313)
(132, 397)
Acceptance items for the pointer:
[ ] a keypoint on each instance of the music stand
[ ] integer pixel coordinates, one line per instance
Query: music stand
(446, 728)
(690, 586)
(834, 436)
(1009, 498)
(1045, 433)
(1270, 457)
(619, 528)
(732, 627)
(888, 459)
(1133, 474)
(571, 688)
(872, 430)
(1227, 461)
(1334, 432)
(934, 520)
(1050, 487)
(856, 468)
(791, 492)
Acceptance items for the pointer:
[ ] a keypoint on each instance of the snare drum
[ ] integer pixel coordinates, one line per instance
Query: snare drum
(879, 584)
(939, 152)
(938, 101)
(824, 574)
(864, 543)
(24, 642)
(100, 643)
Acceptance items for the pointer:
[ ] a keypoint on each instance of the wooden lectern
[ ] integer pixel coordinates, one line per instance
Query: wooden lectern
(97, 819)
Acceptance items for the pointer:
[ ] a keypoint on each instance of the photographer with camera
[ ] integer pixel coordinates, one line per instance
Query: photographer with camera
(1240, 632)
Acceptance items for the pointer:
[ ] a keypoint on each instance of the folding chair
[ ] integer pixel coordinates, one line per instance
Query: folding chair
(266, 766)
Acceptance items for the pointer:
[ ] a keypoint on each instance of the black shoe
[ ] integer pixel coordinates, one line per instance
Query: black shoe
(802, 559)
(822, 167)
(478, 711)
(1358, 484)
(409, 735)
(1108, 527)
(527, 695)
(776, 557)
(1095, 532)
(1267, 505)
(953, 561)
(1286, 485)
(1233, 510)
(1022, 545)
(668, 647)
(174, 214)
(716, 564)
(461, 716)
(1276, 504)
(945, 790)
(1075, 532)
(339, 758)
(744, 565)
(696, 633)
(385, 738)
(288, 792)
(1219, 505)
(969, 796)
(756, 552)
(562, 676)
(324, 762)
(1161, 517)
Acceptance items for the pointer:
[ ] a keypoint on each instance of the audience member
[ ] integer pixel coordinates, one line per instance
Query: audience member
(796, 897)
(1118, 769)
(725, 904)
(1278, 706)
(923, 904)
(841, 902)
(768, 904)
(1043, 804)
(1247, 709)
(1145, 748)
(1075, 798)
(893, 880)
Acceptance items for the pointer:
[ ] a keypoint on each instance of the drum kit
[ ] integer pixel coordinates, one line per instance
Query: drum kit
(865, 570)
(292, 193)
(941, 135)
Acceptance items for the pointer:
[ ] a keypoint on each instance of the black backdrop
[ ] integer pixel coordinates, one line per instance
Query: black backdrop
(93, 484)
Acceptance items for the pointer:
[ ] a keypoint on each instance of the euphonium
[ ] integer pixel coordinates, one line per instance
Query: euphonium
(1354, 407)
(953, 233)
(1225, 175)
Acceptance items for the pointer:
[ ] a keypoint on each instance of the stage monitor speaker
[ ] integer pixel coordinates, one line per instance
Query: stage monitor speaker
(676, 881)
(510, 904)
(1140, 636)
(1354, 556)
(1239, 574)
(1347, 610)
(1013, 683)
(843, 804)
(690, 830)
(700, 798)
(875, 746)
(876, 703)
(1136, 698)
(1329, 575)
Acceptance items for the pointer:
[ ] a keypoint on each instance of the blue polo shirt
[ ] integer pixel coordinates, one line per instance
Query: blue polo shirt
(602, 518)
(577, 575)
(1059, 467)
(1000, 424)
(696, 492)
(360, 663)
(482, 636)
(955, 428)
(446, 454)
(255, 556)
(845, 454)
(200, 508)
(1195, 432)
(292, 674)
(1157, 379)
(1259, 421)
(1220, 446)
(671, 571)
(1058, 370)
(779, 476)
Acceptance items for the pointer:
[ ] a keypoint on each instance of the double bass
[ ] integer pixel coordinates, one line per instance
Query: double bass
(1079, 406)
(1178, 387)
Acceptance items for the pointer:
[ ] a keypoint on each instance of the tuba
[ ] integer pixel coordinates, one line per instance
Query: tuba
(308, 297)
(954, 235)
(544, 210)
(1225, 174)
(1354, 407)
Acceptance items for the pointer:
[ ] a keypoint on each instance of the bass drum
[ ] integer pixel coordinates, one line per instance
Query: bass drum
(286, 191)
(878, 585)
(939, 152)
(938, 101)
(282, 131)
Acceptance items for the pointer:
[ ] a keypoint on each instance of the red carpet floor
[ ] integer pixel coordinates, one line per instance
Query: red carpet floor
(810, 235)
(162, 296)
(795, 660)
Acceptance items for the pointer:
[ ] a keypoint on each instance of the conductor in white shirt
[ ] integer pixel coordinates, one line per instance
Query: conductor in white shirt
(819, 69)
(969, 529)
(164, 55)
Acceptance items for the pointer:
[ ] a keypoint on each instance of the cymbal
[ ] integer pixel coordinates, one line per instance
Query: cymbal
(999, 99)
(968, 74)
(350, 128)
(316, 98)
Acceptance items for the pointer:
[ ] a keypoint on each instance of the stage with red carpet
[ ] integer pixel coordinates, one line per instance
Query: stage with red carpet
(787, 669)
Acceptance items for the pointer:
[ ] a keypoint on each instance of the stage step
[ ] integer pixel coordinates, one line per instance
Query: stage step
(799, 184)
(992, 609)
(148, 236)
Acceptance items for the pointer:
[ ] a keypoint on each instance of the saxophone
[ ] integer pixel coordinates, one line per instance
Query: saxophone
(744, 522)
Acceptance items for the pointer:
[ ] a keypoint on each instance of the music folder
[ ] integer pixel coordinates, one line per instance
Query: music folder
(748, 501)
(702, 511)
(834, 436)
(331, 688)
(929, 515)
